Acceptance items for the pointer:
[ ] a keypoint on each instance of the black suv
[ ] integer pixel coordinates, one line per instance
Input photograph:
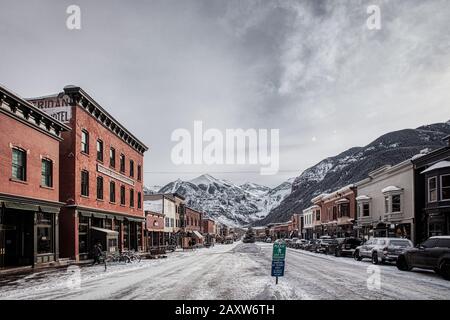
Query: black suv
(433, 254)
(344, 246)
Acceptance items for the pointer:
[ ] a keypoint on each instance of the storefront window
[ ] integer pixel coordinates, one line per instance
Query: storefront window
(445, 187)
(139, 235)
(83, 227)
(126, 229)
(108, 224)
(44, 233)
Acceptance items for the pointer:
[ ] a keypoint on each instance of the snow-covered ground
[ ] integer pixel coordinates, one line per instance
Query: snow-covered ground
(238, 271)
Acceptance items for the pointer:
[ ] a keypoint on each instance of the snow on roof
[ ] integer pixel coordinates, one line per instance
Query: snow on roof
(391, 189)
(363, 197)
(153, 205)
(342, 190)
(311, 208)
(439, 165)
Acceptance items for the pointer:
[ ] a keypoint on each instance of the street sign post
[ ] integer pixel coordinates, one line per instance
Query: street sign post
(278, 259)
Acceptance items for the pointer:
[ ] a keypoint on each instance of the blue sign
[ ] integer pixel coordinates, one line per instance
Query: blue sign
(277, 268)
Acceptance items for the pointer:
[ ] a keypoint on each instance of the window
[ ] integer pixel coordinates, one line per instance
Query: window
(19, 164)
(139, 172)
(108, 224)
(430, 243)
(139, 199)
(100, 188)
(122, 163)
(122, 195)
(366, 210)
(112, 191)
(131, 168)
(44, 233)
(386, 204)
(112, 157)
(432, 189)
(131, 198)
(317, 215)
(85, 141)
(444, 243)
(396, 203)
(167, 222)
(83, 227)
(334, 213)
(85, 183)
(445, 187)
(47, 173)
(100, 150)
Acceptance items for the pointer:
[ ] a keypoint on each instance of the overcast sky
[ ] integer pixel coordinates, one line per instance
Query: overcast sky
(309, 68)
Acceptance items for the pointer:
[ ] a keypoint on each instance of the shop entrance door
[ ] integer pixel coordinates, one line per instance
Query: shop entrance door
(18, 239)
(2, 247)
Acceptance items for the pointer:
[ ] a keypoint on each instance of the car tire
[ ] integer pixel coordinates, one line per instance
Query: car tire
(337, 253)
(402, 264)
(356, 256)
(444, 270)
(374, 258)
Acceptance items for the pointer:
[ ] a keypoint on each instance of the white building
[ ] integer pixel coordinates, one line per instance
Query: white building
(385, 202)
(308, 221)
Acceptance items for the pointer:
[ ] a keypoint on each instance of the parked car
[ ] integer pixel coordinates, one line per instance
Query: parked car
(324, 243)
(300, 243)
(269, 240)
(344, 246)
(310, 245)
(382, 249)
(433, 254)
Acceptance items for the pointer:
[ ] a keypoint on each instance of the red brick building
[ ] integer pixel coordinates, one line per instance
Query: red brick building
(155, 229)
(338, 212)
(192, 227)
(101, 179)
(208, 230)
(29, 189)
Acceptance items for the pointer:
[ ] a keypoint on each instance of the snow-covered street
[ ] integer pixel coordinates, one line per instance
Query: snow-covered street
(237, 271)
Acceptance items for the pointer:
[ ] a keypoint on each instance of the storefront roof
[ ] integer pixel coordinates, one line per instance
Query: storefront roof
(439, 165)
(197, 234)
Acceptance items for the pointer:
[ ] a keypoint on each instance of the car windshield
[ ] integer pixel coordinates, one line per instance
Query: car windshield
(400, 243)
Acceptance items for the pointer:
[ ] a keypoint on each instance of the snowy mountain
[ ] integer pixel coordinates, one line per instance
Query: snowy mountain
(151, 189)
(354, 164)
(227, 202)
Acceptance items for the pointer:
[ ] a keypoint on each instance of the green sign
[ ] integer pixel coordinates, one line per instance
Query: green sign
(279, 251)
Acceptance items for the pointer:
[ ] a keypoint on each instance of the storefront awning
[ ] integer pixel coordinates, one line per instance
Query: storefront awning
(47, 209)
(107, 231)
(197, 234)
(135, 219)
(21, 206)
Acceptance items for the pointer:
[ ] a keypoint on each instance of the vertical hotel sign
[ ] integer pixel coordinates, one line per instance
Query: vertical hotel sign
(58, 107)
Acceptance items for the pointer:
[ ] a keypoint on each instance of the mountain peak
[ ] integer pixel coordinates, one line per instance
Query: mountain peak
(204, 179)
